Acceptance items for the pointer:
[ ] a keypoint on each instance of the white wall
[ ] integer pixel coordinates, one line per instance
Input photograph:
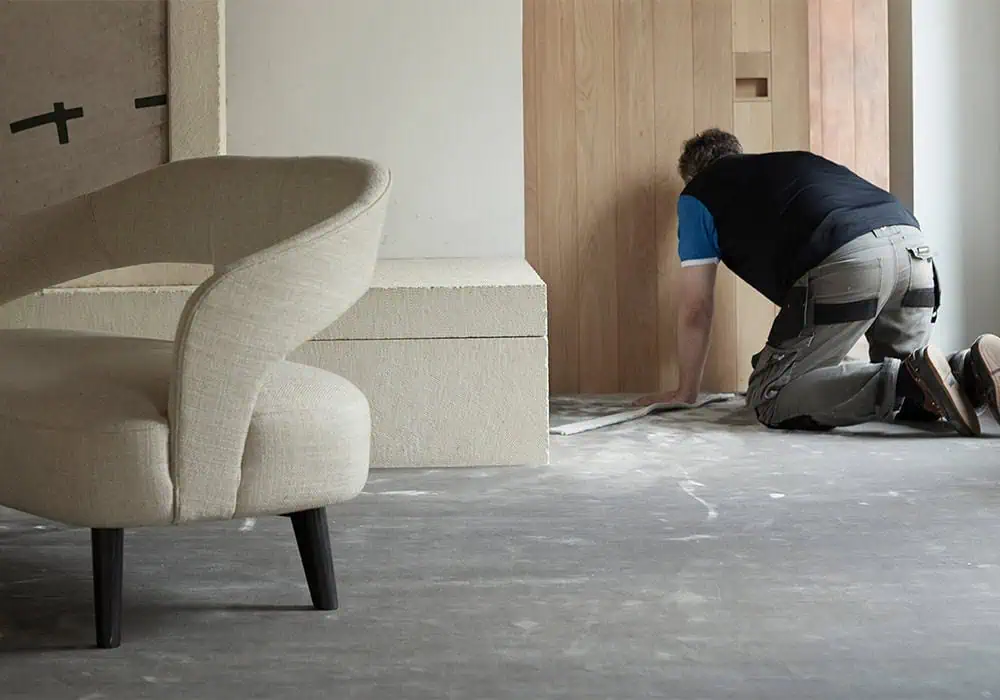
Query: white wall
(431, 87)
(901, 100)
(953, 176)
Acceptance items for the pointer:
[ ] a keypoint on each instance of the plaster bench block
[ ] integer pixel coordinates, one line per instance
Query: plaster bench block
(447, 298)
(447, 402)
(452, 353)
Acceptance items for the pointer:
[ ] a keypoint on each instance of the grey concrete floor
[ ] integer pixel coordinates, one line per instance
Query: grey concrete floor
(687, 556)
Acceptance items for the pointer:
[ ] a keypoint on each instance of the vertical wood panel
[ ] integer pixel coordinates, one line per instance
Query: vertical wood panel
(752, 25)
(712, 45)
(790, 74)
(530, 76)
(871, 89)
(837, 81)
(596, 175)
(555, 49)
(752, 123)
(712, 40)
(638, 347)
(674, 85)
(815, 41)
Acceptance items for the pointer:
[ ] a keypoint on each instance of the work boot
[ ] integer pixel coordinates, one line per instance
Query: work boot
(914, 412)
(964, 370)
(985, 358)
(942, 392)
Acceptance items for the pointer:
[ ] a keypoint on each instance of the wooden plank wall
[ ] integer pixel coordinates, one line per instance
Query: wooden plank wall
(849, 95)
(612, 90)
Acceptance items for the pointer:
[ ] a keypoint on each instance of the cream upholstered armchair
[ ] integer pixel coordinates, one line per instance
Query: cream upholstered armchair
(109, 433)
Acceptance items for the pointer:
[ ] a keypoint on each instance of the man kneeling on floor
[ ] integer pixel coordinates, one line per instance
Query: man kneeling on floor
(842, 259)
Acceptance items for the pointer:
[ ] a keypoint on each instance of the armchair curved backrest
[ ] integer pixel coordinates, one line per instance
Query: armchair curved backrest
(294, 243)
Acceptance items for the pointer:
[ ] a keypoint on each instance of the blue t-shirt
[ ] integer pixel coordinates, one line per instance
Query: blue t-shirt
(697, 239)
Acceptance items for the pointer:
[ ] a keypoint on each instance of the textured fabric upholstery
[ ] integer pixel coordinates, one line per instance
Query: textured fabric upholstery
(324, 450)
(83, 428)
(104, 431)
(83, 422)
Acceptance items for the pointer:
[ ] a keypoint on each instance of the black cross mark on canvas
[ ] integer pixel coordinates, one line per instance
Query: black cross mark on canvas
(151, 101)
(60, 116)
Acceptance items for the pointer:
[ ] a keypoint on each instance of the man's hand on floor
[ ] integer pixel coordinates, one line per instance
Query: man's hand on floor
(673, 396)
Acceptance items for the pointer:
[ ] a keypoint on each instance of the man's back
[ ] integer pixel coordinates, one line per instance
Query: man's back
(774, 216)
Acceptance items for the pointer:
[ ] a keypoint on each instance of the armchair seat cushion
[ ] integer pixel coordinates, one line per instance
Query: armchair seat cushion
(83, 422)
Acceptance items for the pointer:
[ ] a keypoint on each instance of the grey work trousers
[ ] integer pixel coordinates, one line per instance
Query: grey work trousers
(881, 286)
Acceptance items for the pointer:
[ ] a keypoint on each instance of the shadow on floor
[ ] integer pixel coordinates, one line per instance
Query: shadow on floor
(46, 605)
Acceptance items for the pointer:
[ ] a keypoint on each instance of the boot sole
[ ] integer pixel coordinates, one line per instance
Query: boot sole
(931, 370)
(986, 356)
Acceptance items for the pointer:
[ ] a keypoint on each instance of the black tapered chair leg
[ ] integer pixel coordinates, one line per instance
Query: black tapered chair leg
(107, 547)
(312, 534)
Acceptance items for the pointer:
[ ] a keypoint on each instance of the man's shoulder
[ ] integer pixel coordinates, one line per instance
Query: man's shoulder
(782, 160)
(743, 163)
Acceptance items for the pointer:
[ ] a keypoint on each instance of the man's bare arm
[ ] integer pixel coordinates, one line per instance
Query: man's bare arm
(695, 308)
(694, 327)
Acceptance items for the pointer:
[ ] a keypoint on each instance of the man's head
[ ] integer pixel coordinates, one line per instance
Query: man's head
(704, 149)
